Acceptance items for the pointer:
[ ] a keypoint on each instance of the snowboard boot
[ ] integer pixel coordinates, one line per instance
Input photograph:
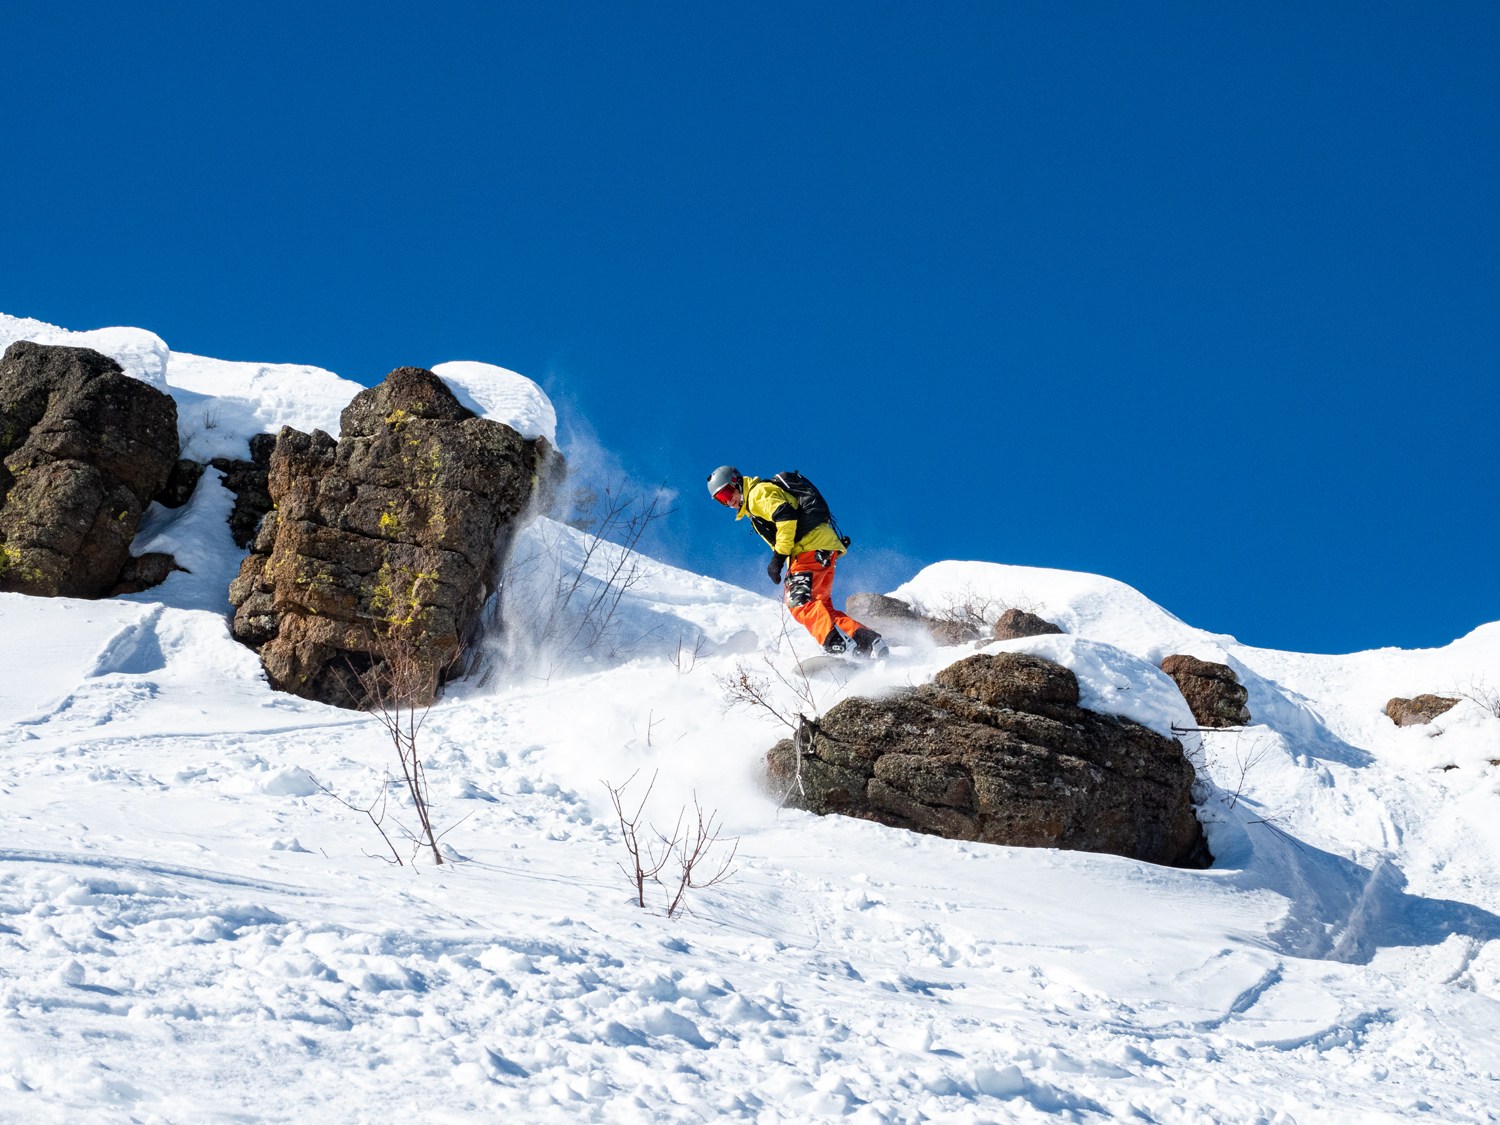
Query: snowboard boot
(836, 643)
(870, 644)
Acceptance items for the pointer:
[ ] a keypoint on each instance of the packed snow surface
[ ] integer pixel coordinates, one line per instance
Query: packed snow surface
(200, 922)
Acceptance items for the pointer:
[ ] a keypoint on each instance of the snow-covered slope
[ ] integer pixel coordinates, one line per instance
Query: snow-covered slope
(194, 928)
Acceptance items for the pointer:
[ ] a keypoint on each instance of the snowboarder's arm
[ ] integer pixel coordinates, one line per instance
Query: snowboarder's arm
(770, 502)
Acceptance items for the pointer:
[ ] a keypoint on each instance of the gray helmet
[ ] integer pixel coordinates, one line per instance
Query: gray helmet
(721, 477)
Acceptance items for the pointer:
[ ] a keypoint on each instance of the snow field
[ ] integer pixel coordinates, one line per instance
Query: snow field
(209, 904)
(193, 929)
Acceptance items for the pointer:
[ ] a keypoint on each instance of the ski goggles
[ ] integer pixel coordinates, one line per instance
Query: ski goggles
(729, 496)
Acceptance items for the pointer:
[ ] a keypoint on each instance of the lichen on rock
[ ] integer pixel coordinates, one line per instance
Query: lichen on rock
(393, 531)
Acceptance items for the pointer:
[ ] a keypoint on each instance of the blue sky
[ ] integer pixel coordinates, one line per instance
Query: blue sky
(1201, 296)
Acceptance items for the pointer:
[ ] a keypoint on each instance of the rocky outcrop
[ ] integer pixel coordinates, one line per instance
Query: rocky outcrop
(1418, 710)
(871, 608)
(388, 539)
(1016, 623)
(896, 620)
(998, 750)
(1213, 692)
(84, 448)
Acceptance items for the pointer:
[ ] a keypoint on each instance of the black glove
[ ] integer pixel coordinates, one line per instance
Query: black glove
(773, 568)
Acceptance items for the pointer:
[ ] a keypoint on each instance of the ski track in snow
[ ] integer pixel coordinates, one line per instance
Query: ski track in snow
(194, 927)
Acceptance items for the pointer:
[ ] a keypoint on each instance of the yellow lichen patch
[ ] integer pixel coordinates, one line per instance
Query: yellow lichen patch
(11, 565)
(437, 518)
(395, 596)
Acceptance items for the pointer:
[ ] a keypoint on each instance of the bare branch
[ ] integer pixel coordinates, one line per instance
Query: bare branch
(1479, 691)
(575, 608)
(686, 662)
(692, 851)
(742, 688)
(398, 688)
(643, 866)
(369, 810)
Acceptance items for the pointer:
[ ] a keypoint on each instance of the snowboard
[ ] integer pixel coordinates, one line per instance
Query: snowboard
(827, 662)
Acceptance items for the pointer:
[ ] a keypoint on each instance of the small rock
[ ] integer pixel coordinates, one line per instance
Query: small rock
(1418, 710)
(181, 483)
(144, 572)
(1016, 623)
(1213, 692)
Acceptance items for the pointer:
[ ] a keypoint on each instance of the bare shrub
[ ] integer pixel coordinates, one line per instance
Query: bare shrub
(643, 868)
(1236, 764)
(757, 691)
(612, 533)
(554, 612)
(1225, 764)
(970, 609)
(397, 686)
(746, 688)
(686, 659)
(688, 850)
(1479, 691)
(968, 612)
(690, 846)
(375, 811)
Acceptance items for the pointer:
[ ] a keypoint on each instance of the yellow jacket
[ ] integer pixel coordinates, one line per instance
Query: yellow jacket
(773, 512)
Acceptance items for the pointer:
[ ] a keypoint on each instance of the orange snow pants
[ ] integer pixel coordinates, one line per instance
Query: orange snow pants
(809, 595)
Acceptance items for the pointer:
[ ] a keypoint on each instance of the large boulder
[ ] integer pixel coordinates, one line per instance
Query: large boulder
(1213, 692)
(84, 448)
(998, 750)
(383, 546)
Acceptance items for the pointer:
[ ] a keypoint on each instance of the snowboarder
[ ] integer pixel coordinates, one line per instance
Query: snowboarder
(813, 550)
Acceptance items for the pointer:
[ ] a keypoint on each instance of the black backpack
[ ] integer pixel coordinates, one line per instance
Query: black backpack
(812, 509)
